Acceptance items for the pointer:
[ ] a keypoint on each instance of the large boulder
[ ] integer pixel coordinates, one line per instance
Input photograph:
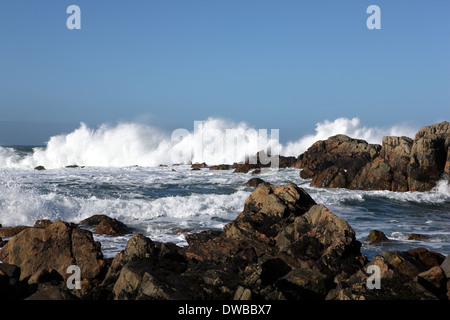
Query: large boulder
(344, 154)
(55, 247)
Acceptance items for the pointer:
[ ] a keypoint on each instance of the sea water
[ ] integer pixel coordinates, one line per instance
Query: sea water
(166, 202)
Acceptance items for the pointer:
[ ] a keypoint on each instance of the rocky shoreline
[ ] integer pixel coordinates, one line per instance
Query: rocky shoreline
(282, 246)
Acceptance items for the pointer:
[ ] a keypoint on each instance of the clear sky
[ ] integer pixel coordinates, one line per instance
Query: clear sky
(284, 64)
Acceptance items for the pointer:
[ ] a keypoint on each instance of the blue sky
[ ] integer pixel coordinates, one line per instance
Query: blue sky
(274, 64)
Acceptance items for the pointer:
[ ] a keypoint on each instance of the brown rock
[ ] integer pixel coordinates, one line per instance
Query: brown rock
(434, 280)
(199, 165)
(221, 167)
(56, 247)
(376, 236)
(111, 227)
(106, 225)
(255, 182)
(428, 258)
(376, 175)
(347, 155)
(42, 223)
(331, 177)
(429, 156)
(11, 231)
(416, 236)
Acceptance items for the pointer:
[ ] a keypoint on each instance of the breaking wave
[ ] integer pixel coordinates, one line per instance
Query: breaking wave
(214, 141)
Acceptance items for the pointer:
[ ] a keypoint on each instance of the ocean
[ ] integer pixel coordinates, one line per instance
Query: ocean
(166, 202)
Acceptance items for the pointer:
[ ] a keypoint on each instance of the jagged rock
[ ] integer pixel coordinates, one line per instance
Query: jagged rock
(345, 154)
(400, 164)
(429, 156)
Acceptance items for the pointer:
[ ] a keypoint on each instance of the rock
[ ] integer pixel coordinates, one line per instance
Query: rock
(376, 236)
(73, 166)
(199, 165)
(138, 247)
(56, 247)
(10, 286)
(42, 223)
(434, 280)
(106, 225)
(244, 167)
(426, 257)
(376, 175)
(255, 182)
(39, 168)
(445, 265)
(429, 156)
(400, 164)
(112, 227)
(49, 291)
(221, 167)
(416, 236)
(306, 173)
(11, 231)
(331, 177)
(345, 154)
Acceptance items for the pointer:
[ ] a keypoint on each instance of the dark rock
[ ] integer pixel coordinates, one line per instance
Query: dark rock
(199, 165)
(50, 291)
(376, 236)
(345, 154)
(434, 280)
(112, 227)
(39, 168)
(400, 164)
(428, 258)
(106, 225)
(42, 223)
(428, 156)
(255, 182)
(445, 265)
(416, 236)
(221, 167)
(12, 231)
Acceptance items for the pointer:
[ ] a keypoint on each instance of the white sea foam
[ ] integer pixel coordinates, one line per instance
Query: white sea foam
(213, 141)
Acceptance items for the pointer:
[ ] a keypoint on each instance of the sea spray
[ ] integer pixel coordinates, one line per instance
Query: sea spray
(214, 141)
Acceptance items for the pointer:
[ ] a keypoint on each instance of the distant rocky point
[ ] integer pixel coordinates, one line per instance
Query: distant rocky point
(399, 164)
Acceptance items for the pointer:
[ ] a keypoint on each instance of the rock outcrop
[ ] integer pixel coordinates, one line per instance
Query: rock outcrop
(399, 164)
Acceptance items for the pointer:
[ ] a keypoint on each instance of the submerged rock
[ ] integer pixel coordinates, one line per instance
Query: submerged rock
(106, 225)
(376, 236)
